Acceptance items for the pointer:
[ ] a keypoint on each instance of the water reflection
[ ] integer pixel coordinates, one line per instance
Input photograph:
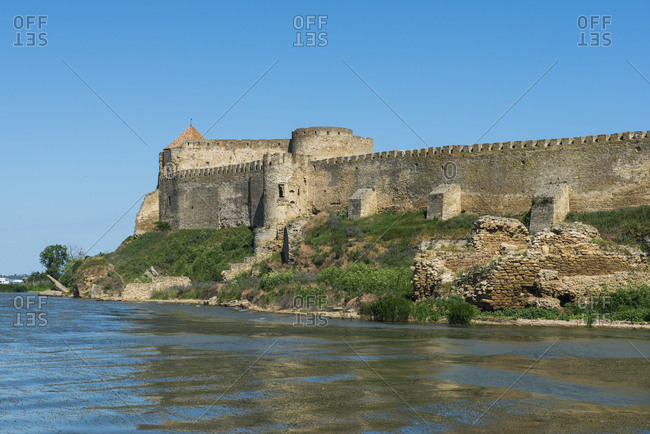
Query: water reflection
(178, 367)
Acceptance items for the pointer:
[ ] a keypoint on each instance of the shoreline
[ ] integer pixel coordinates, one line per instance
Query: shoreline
(520, 322)
(245, 304)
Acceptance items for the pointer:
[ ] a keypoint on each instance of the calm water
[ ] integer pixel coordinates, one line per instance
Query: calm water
(93, 366)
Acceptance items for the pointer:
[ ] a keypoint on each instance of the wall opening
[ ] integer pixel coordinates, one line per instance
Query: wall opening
(281, 190)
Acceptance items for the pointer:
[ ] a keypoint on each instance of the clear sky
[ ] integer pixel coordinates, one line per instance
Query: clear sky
(71, 167)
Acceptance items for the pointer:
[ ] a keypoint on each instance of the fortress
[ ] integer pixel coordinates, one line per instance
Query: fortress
(269, 183)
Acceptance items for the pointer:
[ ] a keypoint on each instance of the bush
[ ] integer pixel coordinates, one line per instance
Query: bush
(388, 309)
(632, 315)
(632, 297)
(426, 310)
(271, 281)
(162, 226)
(531, 313)
(461, 312)
(329, 276)
(361, 278)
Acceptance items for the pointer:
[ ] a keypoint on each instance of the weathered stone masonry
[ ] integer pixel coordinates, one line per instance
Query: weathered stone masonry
(268, 183)
(509, 268)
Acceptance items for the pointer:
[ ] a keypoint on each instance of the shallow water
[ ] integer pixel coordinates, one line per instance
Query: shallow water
(95, 366)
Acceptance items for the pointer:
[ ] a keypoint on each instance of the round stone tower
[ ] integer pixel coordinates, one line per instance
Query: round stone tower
(328, 142)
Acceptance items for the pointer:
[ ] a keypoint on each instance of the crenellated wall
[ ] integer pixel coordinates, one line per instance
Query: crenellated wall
(603, 172)
(205, 190)
(197, 154)
(213, 197)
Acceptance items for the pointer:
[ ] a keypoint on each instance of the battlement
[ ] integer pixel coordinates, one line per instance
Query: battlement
(270, 182)
(251, 166)
(322, 131)
(459, 150)
(239, 143)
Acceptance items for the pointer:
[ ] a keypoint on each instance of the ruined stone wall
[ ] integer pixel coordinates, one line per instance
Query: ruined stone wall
(603, 172)
(214, 197)
(491, 235)
(567, 251)
(558, 265)
(144, 291)
(148, 214)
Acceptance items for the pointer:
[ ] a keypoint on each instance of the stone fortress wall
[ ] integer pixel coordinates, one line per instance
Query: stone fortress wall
(219, 183)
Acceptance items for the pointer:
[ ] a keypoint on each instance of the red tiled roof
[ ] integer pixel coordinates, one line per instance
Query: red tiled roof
(189, 134)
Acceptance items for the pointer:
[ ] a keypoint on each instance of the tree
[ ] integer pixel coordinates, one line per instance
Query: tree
(54, 258)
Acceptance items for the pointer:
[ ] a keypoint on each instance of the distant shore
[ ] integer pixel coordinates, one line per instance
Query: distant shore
(245, 305)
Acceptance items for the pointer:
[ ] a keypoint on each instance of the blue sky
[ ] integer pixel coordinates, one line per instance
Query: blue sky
(71, 167)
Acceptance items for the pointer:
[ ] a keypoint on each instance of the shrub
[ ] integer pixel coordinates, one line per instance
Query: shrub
(461, 312)
(271, 281)
(530, 313)
(388, 309)
(320, 257)
(329, 275)
(426, 310)
(361, 278)
(632, 315)
(162, 226)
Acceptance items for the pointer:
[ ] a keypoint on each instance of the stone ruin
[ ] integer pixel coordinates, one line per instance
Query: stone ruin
(268, 183)
(503, 266)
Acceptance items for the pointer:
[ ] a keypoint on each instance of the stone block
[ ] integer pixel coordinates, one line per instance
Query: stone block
(550, 205)
(362, 203)
(444, 202)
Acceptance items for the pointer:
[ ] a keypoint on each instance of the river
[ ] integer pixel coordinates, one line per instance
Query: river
(76, 365)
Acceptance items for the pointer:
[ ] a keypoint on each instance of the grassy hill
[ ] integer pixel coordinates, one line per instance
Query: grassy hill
(362, 264)
(200, 254)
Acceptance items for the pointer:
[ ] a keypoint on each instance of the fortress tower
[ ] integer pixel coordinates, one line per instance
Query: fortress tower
(271, 182)
(328, 142)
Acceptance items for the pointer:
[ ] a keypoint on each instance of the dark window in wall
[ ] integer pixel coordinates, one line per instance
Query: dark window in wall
(169, 201)
(281, 190)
